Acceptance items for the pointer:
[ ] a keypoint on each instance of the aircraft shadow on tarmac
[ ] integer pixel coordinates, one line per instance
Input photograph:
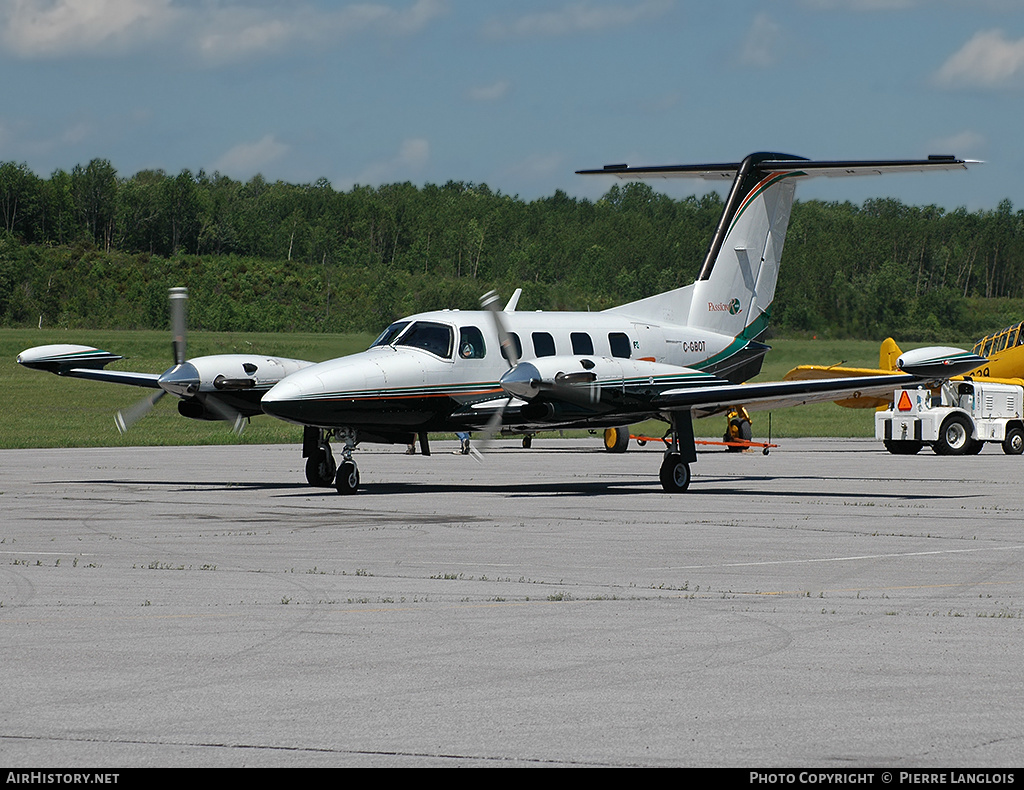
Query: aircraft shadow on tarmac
(557, 488)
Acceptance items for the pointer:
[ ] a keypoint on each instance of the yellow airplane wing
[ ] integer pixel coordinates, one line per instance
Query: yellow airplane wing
(887, 356)
(1008, 361)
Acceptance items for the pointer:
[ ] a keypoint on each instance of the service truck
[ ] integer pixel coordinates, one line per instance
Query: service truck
(956, 419)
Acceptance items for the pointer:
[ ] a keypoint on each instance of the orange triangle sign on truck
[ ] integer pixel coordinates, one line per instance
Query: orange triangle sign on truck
(905, 403)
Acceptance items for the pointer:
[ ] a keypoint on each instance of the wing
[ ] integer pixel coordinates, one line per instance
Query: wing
(813, 372)
(706, 400)
(83, 362)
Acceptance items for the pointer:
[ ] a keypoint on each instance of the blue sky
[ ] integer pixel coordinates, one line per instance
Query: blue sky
(518, 93)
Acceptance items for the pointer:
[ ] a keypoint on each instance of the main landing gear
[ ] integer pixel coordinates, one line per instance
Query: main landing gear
(321, 469)
(681, 452)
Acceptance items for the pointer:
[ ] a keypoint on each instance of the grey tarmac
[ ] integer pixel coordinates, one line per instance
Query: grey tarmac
(828, 605)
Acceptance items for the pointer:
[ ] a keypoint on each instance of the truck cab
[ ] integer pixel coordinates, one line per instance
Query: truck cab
(956, 419)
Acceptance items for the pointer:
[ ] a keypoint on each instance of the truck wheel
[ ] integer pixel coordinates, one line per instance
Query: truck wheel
(954, 436)
(903, 447)
(1013, 444)
(616, 440)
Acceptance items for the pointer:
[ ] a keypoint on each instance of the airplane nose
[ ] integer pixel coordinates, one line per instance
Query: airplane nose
(283, 400)
(182, 380)
(522, 381)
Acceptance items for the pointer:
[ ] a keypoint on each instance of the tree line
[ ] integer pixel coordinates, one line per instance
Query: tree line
(88, 248)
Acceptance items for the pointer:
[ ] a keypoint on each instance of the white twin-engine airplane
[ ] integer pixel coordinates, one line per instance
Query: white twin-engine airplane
(671, 356)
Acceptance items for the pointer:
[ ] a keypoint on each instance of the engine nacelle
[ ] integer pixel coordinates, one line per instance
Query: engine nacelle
(578, 378)
(941, 362)
(195, 410)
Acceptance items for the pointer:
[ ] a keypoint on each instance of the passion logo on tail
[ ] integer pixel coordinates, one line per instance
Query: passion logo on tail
(732, 307)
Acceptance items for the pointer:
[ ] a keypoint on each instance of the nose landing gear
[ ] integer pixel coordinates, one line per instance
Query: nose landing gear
(322, 471)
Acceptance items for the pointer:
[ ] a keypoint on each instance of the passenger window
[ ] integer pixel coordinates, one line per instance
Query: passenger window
(543, 344)
(471, 343)
(518, 344)
(620, 345)
(581, 343)
(435, 338)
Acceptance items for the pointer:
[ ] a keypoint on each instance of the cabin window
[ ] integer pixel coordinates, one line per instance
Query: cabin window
(518, 345)
(620, 345)
(387, 337)
(435, 338)
(581, 344)
(543, 344)
(471, 343)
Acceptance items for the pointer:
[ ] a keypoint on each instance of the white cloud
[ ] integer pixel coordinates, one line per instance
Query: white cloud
(490, 92)
(237, 32)
(35, 28)
(537, 167)
(762, 43)
(247, 159)
(580, 17)
(413, 155)
(988, 60)
(964, 144)
(865, 5)
(219, 32)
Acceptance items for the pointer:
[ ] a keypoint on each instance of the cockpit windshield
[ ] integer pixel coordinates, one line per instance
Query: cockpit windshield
(435, 338)
(387, 337)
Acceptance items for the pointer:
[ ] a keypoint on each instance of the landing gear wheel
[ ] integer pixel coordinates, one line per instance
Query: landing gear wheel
(739, 431)
(675, 474)
(348, 478)
(527, 442)
(1013, 444)
(954, 436)
(321, 468)
(616, 440)
(903, 446)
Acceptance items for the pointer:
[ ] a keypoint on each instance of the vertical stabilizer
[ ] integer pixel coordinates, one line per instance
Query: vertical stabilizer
(734, 291)
(888, 354)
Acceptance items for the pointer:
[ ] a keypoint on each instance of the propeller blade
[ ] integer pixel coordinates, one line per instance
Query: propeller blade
(225, 412)
(489, 432)
(179, 299)
(489, 301)
(126, 418)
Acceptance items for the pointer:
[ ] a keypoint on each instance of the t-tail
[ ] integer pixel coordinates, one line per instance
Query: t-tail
(735, 289)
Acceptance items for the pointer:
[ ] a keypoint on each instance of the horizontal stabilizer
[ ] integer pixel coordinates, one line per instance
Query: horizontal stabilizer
(796, 166)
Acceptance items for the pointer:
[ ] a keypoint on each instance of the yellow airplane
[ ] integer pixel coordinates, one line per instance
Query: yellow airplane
(1004, 351)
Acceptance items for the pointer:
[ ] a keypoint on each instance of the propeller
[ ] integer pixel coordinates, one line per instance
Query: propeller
(489, 301)
(183, 379)
(126, 418)
(525, 381)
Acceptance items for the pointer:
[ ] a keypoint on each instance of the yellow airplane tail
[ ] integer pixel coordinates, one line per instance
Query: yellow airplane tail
(888, 354)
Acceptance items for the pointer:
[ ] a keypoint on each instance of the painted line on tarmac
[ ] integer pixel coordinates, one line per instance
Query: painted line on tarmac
(853, 558)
